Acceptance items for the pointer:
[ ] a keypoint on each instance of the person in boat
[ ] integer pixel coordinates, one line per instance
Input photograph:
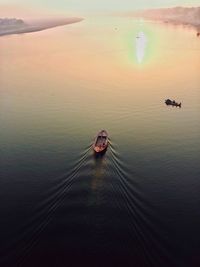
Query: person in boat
(168, 101)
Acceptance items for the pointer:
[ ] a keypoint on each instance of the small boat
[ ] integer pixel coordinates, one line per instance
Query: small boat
(172, 103)
(101, 142)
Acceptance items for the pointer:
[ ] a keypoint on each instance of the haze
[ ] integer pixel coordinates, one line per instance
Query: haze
(85, 6)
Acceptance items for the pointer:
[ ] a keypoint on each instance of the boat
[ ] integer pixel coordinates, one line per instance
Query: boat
(101, 142)
(172, 103)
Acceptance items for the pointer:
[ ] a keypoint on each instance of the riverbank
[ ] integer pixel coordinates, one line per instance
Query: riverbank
(41, 25)
(189, 16)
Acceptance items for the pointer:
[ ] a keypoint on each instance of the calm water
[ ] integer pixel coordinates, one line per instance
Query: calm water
(138, 205)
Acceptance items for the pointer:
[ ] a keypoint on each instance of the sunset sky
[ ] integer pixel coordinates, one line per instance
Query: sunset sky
(96, 5)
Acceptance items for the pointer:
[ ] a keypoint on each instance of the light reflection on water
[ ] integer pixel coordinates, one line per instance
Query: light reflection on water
(99, 171)
(141, 44)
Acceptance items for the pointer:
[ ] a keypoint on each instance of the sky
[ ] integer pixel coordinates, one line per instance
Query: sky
(87, 6)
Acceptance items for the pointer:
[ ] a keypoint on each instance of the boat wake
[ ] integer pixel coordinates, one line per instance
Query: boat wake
(130, 198)
(44, 213)
(110, 188)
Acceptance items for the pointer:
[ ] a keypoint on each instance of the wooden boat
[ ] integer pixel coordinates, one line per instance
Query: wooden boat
(101, 142)
(172, 103)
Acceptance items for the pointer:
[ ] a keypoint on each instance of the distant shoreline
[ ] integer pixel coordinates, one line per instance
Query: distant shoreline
(189, 16)
(43, 25)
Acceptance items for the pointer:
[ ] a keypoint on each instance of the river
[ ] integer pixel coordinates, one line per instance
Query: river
(138, 205)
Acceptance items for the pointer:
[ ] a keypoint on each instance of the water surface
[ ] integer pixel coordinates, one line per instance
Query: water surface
(138, 205)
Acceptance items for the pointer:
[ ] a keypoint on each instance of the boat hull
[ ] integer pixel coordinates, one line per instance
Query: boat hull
(173, 103)
(101, 142)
